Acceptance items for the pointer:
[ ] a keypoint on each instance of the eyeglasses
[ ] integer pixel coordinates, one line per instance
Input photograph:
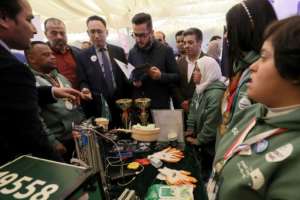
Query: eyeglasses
(139, 35)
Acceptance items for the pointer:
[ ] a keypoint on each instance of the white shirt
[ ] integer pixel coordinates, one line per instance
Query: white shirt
(191, 67)
(4, 45)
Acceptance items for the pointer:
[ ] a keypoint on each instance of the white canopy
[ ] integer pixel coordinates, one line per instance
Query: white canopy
(168, 16)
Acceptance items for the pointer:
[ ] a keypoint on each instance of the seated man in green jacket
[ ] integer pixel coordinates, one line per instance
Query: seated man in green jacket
(58, 117)
(205, 112)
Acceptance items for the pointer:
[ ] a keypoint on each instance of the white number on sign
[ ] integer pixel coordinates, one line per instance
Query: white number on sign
(45, 192)
(3, 173)
(8, 179)
(17, 185)
(31, 189)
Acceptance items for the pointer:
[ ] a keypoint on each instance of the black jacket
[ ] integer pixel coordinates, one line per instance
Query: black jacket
(21, 129)
(90, 76)
(161, 56)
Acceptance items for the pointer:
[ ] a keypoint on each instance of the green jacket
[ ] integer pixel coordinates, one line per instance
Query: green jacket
(57, 118)
(241, 100)
(205, 113)
(272, 172)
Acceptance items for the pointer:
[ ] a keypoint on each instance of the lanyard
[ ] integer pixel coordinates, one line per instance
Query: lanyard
(238, 145)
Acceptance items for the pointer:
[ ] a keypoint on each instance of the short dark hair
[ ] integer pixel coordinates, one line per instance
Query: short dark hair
(285, 38)
(96, 18)
(32, 44)
(10, 8)
(215, 37)
(245, 27)
(142, 18)
(194, 31)
(179, 33)
(53, 20)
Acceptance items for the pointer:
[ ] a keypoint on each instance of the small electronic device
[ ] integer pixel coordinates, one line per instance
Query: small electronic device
(157, 163)
(128, 195)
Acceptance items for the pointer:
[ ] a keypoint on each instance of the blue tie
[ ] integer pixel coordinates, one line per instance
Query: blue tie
(107, 72)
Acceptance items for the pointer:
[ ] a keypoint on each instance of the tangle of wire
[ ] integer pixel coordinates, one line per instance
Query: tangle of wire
(121, 165)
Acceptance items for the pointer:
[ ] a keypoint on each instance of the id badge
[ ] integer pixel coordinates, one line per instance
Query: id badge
(68, 105)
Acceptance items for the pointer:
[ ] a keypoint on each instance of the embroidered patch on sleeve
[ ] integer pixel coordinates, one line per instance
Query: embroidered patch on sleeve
(280, 153)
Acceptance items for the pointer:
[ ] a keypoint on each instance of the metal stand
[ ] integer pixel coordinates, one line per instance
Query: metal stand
(88, 150)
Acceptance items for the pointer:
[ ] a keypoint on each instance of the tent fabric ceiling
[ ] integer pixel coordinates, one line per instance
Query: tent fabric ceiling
(118, 13)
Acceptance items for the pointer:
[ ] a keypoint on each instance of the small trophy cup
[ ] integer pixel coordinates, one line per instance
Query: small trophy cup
(124, 105)
(143, 104)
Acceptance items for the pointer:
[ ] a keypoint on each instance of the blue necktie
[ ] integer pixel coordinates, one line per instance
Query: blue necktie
(107, 72)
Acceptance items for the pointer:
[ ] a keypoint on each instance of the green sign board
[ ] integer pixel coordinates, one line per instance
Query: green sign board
(33, 178)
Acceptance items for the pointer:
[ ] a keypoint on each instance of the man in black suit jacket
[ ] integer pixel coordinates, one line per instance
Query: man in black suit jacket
(99, 73)
(192, 39)
(21, 129)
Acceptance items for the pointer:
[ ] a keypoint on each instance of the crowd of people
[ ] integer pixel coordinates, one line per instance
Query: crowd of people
(244, 129)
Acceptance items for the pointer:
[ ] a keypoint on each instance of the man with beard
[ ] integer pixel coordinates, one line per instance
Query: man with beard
(156, 60)
(21, 129)
(55, 31)
(58, 116)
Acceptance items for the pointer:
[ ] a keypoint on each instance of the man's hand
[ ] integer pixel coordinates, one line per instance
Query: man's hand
(196, 77)
(86, 94)
(154, 73)
(189, 133)
(191, 140)
(60, 148)
(137, 84)
(185, 105)
(68, 93)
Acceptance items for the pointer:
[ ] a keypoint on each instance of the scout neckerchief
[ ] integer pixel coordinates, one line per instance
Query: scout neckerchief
(238, 145)
(230, 95)
(54, 80)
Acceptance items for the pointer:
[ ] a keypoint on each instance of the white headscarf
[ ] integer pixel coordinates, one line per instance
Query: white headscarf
(214, 48)
(210, 72)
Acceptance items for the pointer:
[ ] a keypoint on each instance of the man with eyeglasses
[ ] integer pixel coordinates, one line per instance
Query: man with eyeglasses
(161, 69)
(55, 31)
(98, 72)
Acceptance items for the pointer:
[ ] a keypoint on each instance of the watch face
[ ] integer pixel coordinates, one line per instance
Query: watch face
(68, 105)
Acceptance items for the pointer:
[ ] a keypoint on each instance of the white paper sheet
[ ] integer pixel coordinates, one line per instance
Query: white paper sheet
(126, 69)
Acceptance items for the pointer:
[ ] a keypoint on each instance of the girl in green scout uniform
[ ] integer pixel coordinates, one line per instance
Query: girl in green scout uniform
(246, 22)
(204, 113)
(258, 158)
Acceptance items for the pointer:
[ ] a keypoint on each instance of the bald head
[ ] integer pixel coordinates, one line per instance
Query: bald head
(40, 57)
(55, 31)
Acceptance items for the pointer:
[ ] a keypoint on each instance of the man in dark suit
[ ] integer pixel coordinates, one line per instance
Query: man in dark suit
(192, 39)
(21, 129)
(99, 73)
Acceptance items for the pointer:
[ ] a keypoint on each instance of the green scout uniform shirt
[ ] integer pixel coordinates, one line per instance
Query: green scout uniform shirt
(269, 174)
(241, 100)
(205, 113)
(56, 116)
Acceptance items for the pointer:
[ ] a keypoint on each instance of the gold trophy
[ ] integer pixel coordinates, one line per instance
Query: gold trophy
(124, 105)
(143, 104)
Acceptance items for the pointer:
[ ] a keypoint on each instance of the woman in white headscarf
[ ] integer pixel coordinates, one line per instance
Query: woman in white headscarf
(205, 112)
